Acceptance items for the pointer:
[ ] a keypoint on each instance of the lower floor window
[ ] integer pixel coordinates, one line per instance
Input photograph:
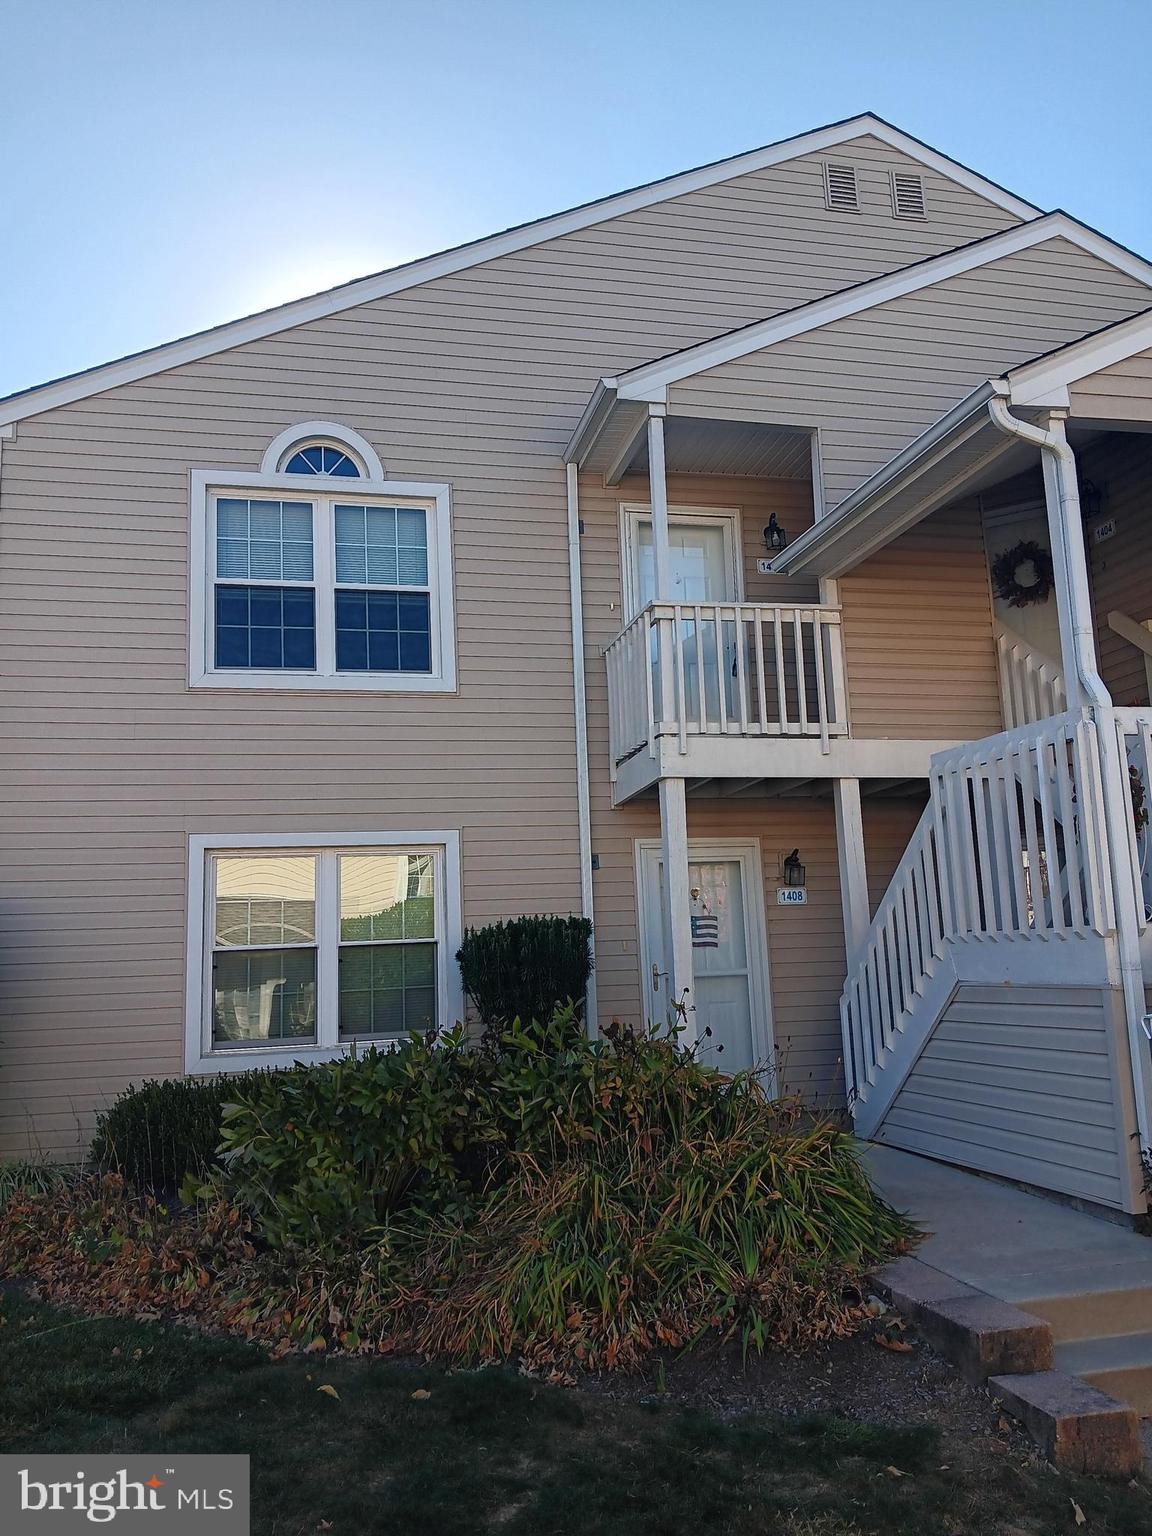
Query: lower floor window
(321, 947)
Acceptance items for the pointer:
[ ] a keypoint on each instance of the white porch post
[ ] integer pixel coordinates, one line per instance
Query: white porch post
(658, 495)
(1065, 582)
(674, 841)
(853, 867)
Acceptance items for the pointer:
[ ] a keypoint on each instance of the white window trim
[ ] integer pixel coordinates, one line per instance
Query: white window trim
(199, 1055)
(632, 513)
(202, 673)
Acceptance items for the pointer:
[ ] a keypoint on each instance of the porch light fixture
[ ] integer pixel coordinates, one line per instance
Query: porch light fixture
(775, 538)
(794, 872)
(1091, 500)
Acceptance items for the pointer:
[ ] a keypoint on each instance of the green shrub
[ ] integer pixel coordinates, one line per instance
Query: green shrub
(324, 1153)
(526, 968)
(573, 1206)
(159, 1133)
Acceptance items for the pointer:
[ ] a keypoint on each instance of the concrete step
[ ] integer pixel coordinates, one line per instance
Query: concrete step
(1119, 1364)
(1091, 1314)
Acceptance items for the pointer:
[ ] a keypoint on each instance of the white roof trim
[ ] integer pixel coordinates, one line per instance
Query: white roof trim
(956, 426)
(651, 380)
(1042, 379)
(268, 322)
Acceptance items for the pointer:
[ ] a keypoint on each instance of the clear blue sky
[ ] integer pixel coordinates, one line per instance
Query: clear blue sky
(170, 164)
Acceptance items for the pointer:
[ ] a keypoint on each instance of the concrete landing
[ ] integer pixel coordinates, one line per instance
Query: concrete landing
(1016, 1246)
(1088, 1279)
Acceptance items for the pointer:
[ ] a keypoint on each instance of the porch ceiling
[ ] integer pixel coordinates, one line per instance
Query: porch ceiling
(615, 443)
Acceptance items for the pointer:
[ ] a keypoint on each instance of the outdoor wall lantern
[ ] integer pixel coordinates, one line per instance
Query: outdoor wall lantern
(1091, 500)
(794, 872)
(775, 537)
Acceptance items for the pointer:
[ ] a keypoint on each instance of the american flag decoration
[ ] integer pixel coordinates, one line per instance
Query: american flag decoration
(705, 930)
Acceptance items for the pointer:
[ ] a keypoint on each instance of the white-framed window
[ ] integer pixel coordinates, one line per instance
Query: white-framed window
(301, 947)
(314, 574)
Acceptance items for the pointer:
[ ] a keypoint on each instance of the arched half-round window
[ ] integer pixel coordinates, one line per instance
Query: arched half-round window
(320, 459)
(326, 449)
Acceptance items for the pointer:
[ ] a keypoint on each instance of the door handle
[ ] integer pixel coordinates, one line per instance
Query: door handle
(656, 973)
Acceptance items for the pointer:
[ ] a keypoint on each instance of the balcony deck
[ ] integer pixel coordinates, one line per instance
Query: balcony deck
(739, 691)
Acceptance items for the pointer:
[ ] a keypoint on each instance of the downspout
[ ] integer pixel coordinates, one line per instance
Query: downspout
(583, 807)
(1062, 493)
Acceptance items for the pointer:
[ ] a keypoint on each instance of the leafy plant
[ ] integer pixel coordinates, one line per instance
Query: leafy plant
(323, 1154)
(524, 969)
(20, 1176)
(573, 1204)
(159, 1133)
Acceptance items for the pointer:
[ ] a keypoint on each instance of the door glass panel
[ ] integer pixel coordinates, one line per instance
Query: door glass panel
(700, 569)
(720, 959)
(720, 965)
(701, 573)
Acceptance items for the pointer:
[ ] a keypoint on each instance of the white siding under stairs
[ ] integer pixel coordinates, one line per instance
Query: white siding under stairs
(983, 1020)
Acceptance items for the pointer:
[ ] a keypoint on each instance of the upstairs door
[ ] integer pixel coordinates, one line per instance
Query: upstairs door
(704, 548)
(732, 1014)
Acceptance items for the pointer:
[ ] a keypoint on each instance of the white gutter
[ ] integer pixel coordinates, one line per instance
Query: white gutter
(583, 806)
(1062, 493)
(592, 419)
(860, 504)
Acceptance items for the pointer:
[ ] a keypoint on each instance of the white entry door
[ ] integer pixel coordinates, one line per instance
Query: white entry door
(731, 1019)
(705, 569)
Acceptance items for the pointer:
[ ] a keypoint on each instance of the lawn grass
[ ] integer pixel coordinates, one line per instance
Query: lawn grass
(490, 1451)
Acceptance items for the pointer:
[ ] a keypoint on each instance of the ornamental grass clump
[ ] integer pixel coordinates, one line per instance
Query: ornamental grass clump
(567, 1202)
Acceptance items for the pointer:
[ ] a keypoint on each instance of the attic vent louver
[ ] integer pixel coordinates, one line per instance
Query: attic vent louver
(840, 187)
(907, 195)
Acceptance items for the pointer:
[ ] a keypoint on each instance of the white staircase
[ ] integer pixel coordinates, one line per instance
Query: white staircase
(1031, 683)
(1005, 884)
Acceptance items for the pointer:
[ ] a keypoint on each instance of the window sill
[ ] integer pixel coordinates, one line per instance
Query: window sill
(249, 1058)
(300, 682)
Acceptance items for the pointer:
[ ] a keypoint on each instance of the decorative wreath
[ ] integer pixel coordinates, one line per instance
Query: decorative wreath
(1023, 574)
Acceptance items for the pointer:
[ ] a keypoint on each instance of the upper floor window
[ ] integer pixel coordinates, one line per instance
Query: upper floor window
(321, 578)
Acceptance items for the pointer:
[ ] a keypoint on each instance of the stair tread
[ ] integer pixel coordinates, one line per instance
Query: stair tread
(1116, 1352)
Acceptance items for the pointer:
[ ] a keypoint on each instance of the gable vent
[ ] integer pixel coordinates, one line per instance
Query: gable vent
(907, 195)
(840, 189)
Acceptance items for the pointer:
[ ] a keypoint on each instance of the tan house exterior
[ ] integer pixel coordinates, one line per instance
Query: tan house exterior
(448, 595)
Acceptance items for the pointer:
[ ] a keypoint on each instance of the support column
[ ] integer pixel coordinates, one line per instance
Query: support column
(853, 866)
(676, 892)
(1063, 580)
(658, 495)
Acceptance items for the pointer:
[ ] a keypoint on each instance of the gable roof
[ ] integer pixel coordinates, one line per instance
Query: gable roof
(650, 381)
(268, 322)
(1045, 379)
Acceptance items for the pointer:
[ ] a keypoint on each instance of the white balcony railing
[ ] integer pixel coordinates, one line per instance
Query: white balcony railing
(684, 670)
(1012, 847)
(1031, 684)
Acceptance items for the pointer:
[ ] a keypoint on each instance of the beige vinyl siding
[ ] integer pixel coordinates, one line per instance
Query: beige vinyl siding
(873, 382)
(917, 621)
(477, 379)
(1122, 392)
(805, 943)
(1121, 567)
(1019, 1081)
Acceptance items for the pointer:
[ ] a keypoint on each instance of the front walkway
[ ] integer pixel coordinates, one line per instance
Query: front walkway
(1013, 1245)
